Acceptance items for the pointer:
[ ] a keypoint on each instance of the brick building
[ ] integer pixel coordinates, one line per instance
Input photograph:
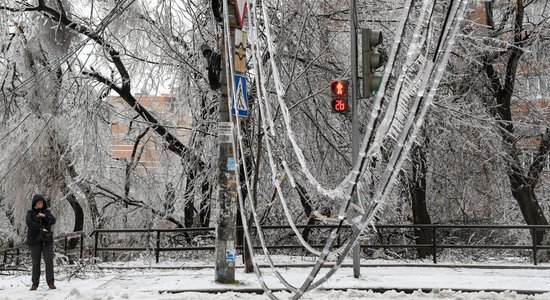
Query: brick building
(125, 127)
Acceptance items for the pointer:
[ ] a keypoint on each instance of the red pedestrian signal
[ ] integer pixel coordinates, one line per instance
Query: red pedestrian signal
(339, 88)
(339, 94)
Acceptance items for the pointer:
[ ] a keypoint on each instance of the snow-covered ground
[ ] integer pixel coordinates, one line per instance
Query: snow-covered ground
(137, 281)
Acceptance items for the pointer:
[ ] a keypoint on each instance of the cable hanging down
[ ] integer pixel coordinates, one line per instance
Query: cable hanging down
(428, 75)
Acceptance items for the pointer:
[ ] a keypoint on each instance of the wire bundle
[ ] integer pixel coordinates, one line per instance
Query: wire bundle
(418, 82)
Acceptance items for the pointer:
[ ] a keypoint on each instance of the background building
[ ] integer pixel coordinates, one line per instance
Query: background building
(126, 128)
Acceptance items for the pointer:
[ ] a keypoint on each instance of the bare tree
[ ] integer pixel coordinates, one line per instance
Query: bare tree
(40, 60)
(501, 69)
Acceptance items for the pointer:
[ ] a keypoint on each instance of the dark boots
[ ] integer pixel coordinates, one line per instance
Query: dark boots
(51, 285)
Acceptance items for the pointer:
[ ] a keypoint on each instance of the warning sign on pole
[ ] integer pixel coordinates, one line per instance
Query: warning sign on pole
(240, 6)
(240, 51)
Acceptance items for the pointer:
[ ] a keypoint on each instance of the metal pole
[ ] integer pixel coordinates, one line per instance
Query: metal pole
(96, 239)
(227, 185)
(434, 247)
(157, 250)
(535, 246)
(354, 122)
(81, 244)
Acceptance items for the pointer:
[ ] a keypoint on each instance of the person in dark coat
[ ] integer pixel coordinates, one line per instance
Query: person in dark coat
(40, 239)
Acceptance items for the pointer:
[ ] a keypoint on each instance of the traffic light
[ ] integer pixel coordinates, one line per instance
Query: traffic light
(371, 61)
(214, 66)
(339, 93)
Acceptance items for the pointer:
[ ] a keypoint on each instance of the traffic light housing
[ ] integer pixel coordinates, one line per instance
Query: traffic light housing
(214, 66)
(371, 61)
(339, 94)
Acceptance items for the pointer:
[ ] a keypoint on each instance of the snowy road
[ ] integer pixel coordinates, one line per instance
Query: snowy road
(435, 282)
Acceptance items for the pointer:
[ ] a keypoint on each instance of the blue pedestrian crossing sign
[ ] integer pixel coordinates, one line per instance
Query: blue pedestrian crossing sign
(239, 106)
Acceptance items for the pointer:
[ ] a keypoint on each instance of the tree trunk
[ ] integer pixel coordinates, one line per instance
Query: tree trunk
(531, 211)
(189, 212)
(523, 188)
(86, 188)
(521, 184)
(169, 199)
(78, 214)
(188, 207)
(204, 212)
(306, 204)
(97, 221)
(418, 198)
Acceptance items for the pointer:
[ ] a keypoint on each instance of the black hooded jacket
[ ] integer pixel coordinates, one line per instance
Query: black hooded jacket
(35, 224)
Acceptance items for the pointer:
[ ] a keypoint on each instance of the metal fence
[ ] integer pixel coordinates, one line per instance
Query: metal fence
(158, 240)
(14, 256)
(438, 242)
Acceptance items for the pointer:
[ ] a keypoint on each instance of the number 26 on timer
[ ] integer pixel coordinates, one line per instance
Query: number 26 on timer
(339, 94)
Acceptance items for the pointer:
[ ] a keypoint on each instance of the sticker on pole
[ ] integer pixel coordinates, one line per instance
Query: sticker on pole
(230, 165)
(239, 106)
(225, 132)
(229, 257)
(240, 7)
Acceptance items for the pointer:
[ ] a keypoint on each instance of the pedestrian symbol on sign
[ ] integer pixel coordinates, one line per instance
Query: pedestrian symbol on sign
(239, 106)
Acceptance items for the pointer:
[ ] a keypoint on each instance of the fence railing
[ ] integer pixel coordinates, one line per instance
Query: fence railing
(14, 255)
(438, 240)
(437, 243)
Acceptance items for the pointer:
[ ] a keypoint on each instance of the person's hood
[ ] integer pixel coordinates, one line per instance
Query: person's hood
(38, 197)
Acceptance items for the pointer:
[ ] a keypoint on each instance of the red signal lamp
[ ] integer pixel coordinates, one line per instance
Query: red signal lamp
(339, 95)
(338, 87)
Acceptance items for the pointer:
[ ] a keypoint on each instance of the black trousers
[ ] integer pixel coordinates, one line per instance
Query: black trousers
(36, 252)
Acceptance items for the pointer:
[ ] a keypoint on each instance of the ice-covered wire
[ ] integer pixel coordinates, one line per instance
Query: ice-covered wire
(253, 209)
(240, 160)
(399, 155)
(357, 232)
(276, 182)
(407, 138)
(415, 61)
(230, 67)
(274, 171)
(336, 193)
(286, 117)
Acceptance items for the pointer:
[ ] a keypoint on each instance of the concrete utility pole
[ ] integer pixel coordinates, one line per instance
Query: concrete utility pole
(227, 184)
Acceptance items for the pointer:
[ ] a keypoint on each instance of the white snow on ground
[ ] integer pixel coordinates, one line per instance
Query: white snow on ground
(135, 283)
